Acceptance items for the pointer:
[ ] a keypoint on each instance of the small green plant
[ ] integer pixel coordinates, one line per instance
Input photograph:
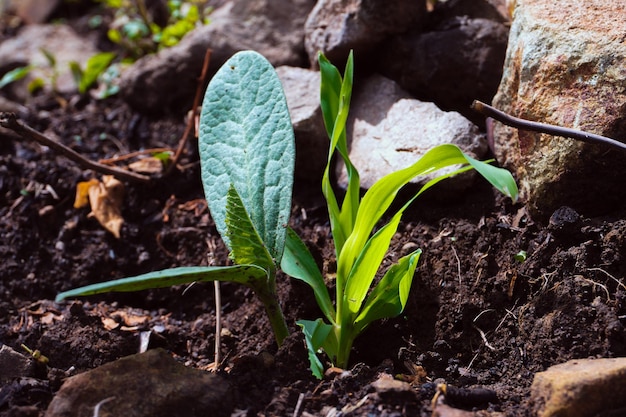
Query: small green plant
(247, 159)
(359, 248)
(95, 67)
(139, 33)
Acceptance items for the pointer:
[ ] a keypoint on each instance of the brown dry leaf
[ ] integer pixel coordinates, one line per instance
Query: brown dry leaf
(82, 192)
(109, 323)
(149, 165)
(106, 201)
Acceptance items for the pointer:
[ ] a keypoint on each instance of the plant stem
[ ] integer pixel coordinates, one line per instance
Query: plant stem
(275, 314)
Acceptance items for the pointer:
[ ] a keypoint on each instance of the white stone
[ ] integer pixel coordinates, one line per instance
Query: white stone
(389, 131)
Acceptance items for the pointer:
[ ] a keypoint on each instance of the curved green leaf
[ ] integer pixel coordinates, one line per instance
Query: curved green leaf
(298, 263)
(243, 274)
(389, 297)
(246, 139)
(247, 247)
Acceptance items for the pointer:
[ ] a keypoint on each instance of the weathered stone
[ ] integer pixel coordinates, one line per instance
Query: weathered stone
(565, 65)
(13, 365)
(147, 384)
(167, 81)
(495, 10)
(302, 88)
(60, 40)
(34, 11)
(337, 26)
(457, 62)
(580, 388)
(389, 131)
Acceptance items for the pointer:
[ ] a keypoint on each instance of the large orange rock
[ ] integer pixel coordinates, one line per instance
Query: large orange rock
(565, 65)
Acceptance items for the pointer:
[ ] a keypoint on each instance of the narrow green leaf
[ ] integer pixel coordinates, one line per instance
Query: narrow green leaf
(389, 297)
(335, 97)
(366, 265)
(246, 139)
(95, 66)
(14, 75)
(243, 274)
(500, 178)
(315, 334)
(247, 246)
(298, 263)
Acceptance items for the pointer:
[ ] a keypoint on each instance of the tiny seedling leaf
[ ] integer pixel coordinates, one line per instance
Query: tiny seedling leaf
(14, 75)
(315, 334)
(246, 139)
(247, 247)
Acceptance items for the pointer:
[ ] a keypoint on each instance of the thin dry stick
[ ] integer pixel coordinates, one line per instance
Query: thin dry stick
(194, 112)
(522, 124)
(9, 120)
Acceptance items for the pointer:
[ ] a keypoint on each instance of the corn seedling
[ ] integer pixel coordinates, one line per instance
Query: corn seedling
(359, 249)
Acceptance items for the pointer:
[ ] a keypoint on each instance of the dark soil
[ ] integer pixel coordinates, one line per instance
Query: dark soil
(477, 317)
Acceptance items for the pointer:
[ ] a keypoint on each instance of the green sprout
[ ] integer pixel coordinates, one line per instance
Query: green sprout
(96, 66)
(139, 34)
(247, 153)
(360, 249)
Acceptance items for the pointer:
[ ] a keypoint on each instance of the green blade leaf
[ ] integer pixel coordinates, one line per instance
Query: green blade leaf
(365, 267)
(14, 75)
(335, 97)
(243, 274)
(298, 263)
(95, 66)
(247, 247)
(389, 297)
(380, 196)
(246, 139)
(500, 178)
(316, 334)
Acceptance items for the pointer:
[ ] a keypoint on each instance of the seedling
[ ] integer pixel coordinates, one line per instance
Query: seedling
(247, 158)
(359, 249)
(96, 65)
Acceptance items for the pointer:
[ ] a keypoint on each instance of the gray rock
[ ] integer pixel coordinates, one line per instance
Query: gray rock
(13, 365)
(389, 130)
(458, 62)
(302, 90)
(580, 388)
(337, 26)
(565, 65)
(150, 384)
(167, 81)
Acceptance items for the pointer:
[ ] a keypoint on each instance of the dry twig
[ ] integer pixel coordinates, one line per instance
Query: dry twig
(9, 121)
(549, 129)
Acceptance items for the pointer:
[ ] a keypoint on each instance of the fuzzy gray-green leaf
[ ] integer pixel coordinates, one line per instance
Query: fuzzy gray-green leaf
(246, 139)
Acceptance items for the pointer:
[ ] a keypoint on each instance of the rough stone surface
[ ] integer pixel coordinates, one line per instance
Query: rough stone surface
(167, 81)
(13, 365)
(389, 130)
(60, 40)
(580, 388)
(457, 62)
(565, 65)
(302, 88)
(148, 384)
(337, 26)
